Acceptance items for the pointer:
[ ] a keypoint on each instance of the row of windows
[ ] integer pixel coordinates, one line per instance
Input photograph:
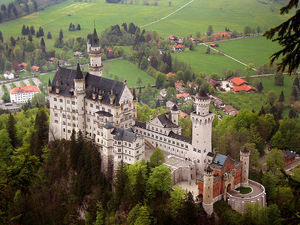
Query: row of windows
(62, 100)
(163, 139)
(199, 151)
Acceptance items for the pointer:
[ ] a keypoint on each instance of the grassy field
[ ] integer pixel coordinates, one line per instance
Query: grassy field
(254, 50)
(254, 101)
(124, 69)
(191, 19)
(250, 50)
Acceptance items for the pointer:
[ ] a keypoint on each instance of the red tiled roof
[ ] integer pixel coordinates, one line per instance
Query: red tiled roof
(180, 42)
(183, 95)
(25, 89)
(109, 49)
(35, 67)
(171, 37)
(178, 46)
(51, 59)
(170, 74)
(238, 81)
(182, 114)
(243, 87)
(219, 33)
(23, 64)
(178, 84)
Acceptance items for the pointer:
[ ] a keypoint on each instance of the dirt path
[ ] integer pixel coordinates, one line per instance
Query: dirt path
(165, 17)
(244, 64)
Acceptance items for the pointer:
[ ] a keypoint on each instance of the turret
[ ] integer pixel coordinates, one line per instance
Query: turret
(79, 81)
(202, 102)
(94, 51)
(244, 159)
(208, 190)
(174, 114)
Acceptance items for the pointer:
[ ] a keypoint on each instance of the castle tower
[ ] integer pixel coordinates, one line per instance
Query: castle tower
(244, 159)
(94, 51)
(135, 102)
(202, 120)
(174, 114)
(79, 92)
(208, 191)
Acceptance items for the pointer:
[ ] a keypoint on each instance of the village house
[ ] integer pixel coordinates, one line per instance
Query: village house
(170, 74)
(289, 156)
(9, 75)
(183, 115)
(179, 87)
(238, 84)
(169, 104)
(78, 54)
(214, 83)
(35, 69)
(229, 110)
(184, 96)
(172, 38)
(178, 48)
(23, 66)
(163, 92)
(23, 94)
(51, 60)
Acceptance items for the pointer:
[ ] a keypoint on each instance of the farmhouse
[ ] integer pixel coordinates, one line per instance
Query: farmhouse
(35, 68)
(229, 110)
(241, 85)
(8, 75)
(178, 48)
(184, 96)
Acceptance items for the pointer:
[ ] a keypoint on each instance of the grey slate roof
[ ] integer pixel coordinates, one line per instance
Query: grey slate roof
(64, 80)
(174, 108)
(202, 95)
(165, 121)
(210, 154)
(180, 137)
(140, 124)
(219, 160)
(121, 134)
(108, 125)
(104, 113)
(94, 39)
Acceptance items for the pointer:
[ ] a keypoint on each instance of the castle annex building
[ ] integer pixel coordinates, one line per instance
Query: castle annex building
(105, 111)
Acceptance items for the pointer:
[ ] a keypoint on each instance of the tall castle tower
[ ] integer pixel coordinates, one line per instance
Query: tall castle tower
(208, 191)
(244, 159)
(79, 92)
(94, 51)
(202, 120)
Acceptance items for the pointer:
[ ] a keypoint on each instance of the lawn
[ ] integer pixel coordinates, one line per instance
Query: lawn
(244, 190)
(250, 50)
(212, 63)
(191, 19)
(254, 101)
(122, 68)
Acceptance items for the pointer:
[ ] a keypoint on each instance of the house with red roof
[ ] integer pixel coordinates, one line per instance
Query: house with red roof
(229, 110)
(184, 96)
(170, 74)
(35, 68)
(23, 94)
(178, 48)
(241, 85)
(183, 115)
(51, 59)
(172, 38)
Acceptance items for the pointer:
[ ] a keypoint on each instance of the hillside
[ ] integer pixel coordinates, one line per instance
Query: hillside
(194, 17)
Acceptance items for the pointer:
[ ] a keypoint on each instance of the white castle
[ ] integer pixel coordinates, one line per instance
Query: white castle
(106, 111)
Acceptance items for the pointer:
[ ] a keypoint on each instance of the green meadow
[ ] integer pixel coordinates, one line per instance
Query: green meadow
(250, 50)
(195, 17)
(121, 68)
(254, 50)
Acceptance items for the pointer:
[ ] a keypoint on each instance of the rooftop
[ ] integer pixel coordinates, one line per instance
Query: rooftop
(25, 89)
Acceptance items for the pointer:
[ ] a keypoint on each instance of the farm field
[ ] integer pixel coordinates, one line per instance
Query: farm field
(255, 50)
(254, 101)
(218, 13)
(122, 68)
(248, 50)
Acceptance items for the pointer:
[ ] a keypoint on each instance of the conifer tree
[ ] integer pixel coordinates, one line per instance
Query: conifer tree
(78, 27)
(73, 150)
(32, 31)
(296, 82)
(61, 35)
(262, 111)
(293, 113)
(30, 37)
(1, 36)
(294, 94)
(23, 30)
(11, 129)
(189, 211)
(260, 87)
(120, 182)
(281, 97)
(49, 35)
(43, 46)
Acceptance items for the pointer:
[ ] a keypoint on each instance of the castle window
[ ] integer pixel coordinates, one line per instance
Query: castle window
(129, 145)
(97, 107)
(60, 100)
(56, 121)
(199, 151)
(55, 99)
(64, 130)
(64, 116)
(91, 105)
(69, 131)
(68, 101)
(73, 102)
(64, 123)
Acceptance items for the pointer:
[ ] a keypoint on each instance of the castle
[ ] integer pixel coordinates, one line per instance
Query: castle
(105, 111)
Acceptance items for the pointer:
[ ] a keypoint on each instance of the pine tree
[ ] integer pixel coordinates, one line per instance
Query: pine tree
(11, 129)
(12, 41)
(43, 46)
(120, 181)
(49, 35)
(293, 113)
(73, 148)
(209, 30)
(296, 82)
(61, 35)
(32, 31)
(23, 30)
(189, 212)
(70, 27)
(78, 27)
(1, 36)
(260, 87)
(262, 111)
(281, 97)
(294, 94)
(30, 37)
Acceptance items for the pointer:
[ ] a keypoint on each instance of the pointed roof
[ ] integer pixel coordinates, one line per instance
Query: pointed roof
(174, 108)
(49, 83)
(202, 95)
(79, 74)
(95, 39)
